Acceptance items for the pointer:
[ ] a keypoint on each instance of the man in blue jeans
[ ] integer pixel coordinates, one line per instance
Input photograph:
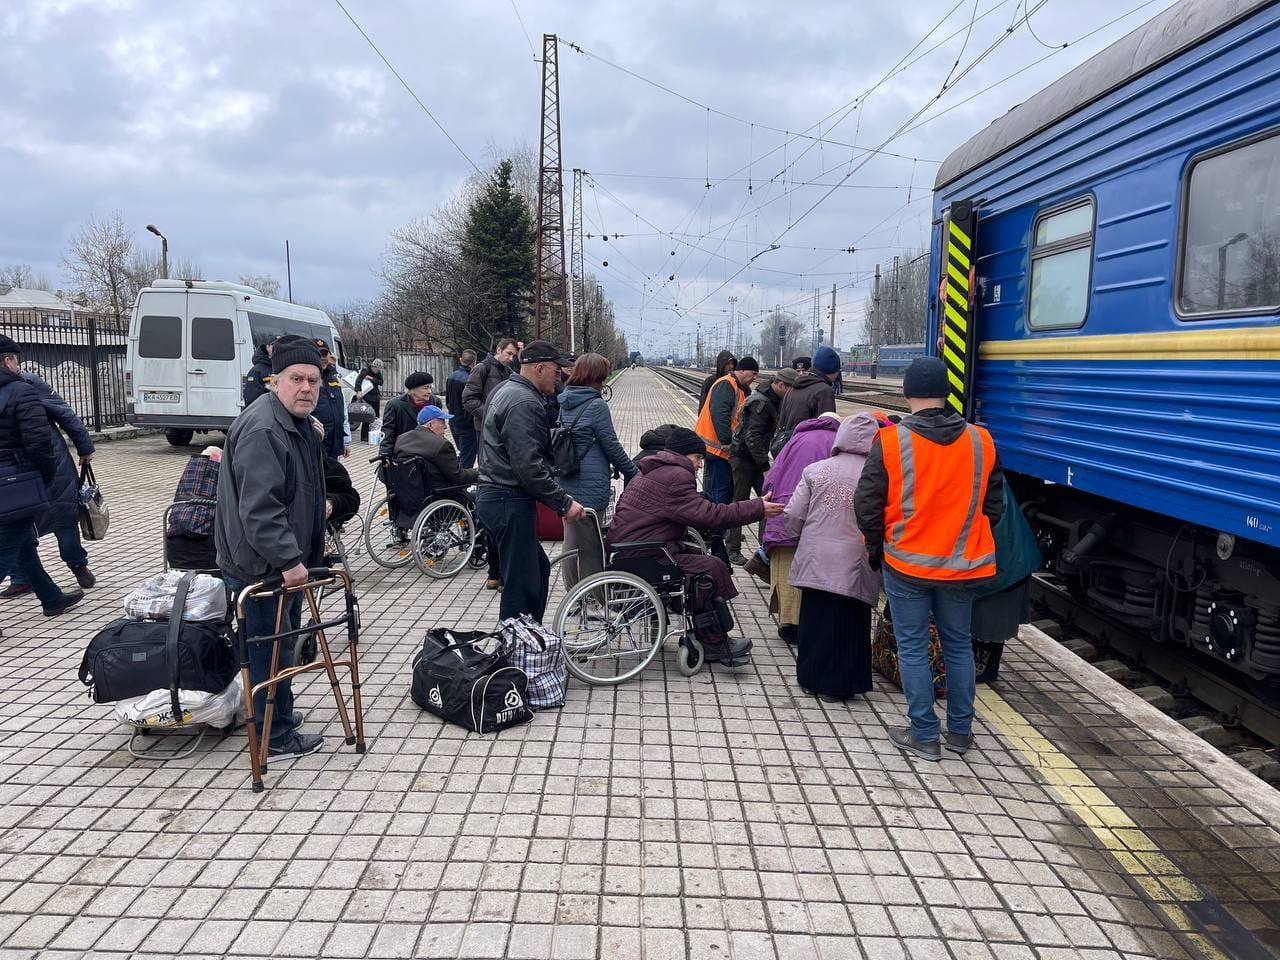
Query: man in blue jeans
(270, 522)
(930, 493)
(516, 474)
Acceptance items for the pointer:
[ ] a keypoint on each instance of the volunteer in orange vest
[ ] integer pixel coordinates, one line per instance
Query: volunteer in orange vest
(717, 424)
(930, 493)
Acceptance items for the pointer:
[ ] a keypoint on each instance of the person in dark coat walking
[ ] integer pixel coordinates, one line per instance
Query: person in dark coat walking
(331, 410)
(63, 519)
(460, 423)
(402, 412)
(485, 377)
(812, 395)
(258, 380)
(726, 363)
(371, 375)
(749, 453)
(664, 502)
(28, 439)
(586, 416)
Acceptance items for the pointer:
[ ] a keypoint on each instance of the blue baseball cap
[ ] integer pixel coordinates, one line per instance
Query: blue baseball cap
(432, 412)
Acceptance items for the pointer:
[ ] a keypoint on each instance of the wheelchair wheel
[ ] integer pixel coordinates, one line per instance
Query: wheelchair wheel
(387, 544)
(443, 538)
(692, 538)
(479, 558)
(612, 625)
(689, 655)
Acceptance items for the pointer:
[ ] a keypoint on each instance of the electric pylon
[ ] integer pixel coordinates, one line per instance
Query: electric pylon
(549, 291)
(577, 305)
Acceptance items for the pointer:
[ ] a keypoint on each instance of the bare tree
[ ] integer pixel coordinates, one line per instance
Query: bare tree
(21, 275)
(904, 302)
(265, 284)
(97, 264)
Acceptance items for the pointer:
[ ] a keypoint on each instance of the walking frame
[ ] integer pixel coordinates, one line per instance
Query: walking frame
(318, 578)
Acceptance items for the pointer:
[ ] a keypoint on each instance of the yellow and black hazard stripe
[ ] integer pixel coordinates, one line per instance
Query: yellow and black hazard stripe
(955, 302)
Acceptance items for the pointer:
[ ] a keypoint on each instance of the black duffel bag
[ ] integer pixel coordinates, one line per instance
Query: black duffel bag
(466, 678)
(129, 658)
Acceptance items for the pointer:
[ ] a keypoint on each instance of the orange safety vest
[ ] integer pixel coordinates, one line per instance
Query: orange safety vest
(934, 527)
(707, 431)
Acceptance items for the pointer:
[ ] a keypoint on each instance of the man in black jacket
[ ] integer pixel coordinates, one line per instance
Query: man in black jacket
(331, 409)
(27, 440)
(485, 377)
(460, 423)
(370, 376)
(258, 380)
(516, 474)
(270, 521)
(749, 455)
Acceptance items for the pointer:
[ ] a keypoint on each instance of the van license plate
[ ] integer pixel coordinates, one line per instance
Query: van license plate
(155, 396)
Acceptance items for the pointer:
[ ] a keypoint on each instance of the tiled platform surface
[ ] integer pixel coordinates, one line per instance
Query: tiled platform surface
(725, 815)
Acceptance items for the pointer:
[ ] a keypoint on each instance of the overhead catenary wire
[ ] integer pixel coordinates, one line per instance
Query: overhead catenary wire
(524, 29)
(404, 83)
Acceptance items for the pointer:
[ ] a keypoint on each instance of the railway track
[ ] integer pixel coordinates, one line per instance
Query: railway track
(1243, 726)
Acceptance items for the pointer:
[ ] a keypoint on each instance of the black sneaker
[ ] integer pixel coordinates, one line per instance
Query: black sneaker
(84, 576)
(957, 742)
(69, 600)
(904, 738)
(295, 746)
(737, 559)
(789, 632)
(15, 590)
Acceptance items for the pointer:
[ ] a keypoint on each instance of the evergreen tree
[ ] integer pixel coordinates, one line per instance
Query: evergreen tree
(498, 242)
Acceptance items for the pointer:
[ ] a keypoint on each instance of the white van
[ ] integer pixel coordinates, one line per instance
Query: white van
(191, 342)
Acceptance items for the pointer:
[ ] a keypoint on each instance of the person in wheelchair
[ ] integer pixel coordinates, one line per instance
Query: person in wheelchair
(660, 505)
(430, 440)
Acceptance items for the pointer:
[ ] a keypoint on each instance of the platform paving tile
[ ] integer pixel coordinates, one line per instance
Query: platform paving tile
(726, 815)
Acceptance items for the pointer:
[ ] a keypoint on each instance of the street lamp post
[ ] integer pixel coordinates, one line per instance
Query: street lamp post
(164, 249)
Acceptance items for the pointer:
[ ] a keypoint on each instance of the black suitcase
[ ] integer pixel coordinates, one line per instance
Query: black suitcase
(129, 658)
(458, 680)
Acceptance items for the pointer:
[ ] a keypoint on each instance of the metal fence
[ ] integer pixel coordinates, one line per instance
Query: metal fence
(398, 364)
(81, 356)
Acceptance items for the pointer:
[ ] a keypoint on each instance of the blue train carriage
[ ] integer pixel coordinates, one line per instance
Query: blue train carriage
(1106, 277)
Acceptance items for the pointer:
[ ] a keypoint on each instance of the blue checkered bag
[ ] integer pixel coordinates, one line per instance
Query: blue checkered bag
(540, 654)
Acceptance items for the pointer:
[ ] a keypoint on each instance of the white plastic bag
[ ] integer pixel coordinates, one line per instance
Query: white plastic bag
(153, 599)
(155, 709)
(375, 434)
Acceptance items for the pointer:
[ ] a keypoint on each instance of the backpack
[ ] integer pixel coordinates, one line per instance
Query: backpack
(564, 454)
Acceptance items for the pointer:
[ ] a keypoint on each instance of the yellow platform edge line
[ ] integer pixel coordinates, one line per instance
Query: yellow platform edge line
(1246, 343)
(1133, 849)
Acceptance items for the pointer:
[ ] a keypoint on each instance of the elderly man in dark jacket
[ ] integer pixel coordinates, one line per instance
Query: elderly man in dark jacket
(485, 377)
(429, 441)
(812, 395)
(270, 520)
(63, 519)
(516, 474)
(663, 502)
(749, 454)
(28, 440)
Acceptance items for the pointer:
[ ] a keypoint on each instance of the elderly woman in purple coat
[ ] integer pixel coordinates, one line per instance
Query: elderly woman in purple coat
(837, 587)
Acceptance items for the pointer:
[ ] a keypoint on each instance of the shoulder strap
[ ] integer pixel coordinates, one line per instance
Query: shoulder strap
(171, 644)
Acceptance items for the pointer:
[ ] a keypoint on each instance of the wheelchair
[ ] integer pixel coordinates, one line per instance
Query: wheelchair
(614, 622)
(412, 523)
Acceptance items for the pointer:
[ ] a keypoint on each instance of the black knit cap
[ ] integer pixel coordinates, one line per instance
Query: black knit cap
(926, 378)
(418, 379)
(7, 345)
(294, 349)
(749, 363)
(684, 440)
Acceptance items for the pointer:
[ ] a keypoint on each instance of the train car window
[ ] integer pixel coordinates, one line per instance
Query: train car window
(1061, 265)
(160, 337)
(1230, 257)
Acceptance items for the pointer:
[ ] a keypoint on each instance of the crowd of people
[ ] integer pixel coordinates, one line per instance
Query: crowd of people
(846, 507)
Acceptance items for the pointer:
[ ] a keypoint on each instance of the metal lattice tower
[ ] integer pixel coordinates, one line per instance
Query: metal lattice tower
(577, 305)
(549, 292)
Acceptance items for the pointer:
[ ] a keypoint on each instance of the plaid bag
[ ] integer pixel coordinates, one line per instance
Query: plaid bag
(884, 655)
(540, 654)
(199, 481)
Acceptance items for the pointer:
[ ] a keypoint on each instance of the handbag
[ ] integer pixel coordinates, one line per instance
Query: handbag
(359, 412)
(23, 494)
(540, 654)
(884, 655)
(92, 510)
(129, 658)
(467, 679)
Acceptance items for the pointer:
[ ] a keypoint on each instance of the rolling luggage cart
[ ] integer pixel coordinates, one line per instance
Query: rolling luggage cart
(318, 578)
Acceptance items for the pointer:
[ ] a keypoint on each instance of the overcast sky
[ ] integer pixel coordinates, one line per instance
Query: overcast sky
(235, 125)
